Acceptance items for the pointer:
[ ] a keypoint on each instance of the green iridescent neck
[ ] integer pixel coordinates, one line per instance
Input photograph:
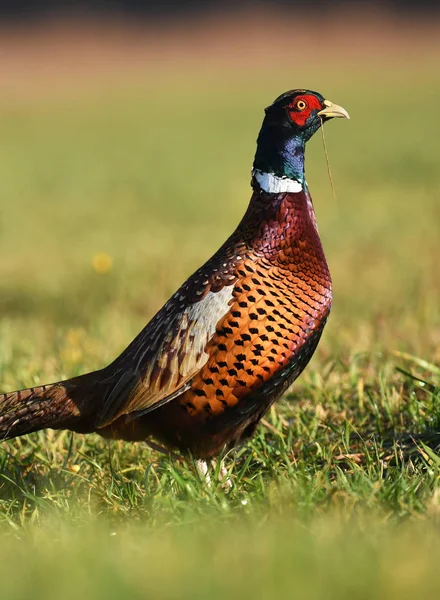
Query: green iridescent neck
(280, 153)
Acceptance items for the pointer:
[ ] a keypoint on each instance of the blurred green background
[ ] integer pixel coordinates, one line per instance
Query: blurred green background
(125, 157)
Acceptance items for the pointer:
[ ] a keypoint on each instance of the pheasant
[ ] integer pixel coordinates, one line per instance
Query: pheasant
(231, 340)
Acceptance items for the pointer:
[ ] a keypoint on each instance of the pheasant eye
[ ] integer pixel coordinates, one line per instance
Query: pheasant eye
(301, 105)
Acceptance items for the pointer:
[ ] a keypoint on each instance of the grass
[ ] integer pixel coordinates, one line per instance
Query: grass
(338, 493)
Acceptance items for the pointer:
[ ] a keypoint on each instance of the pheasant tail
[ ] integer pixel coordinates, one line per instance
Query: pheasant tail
(66, 404)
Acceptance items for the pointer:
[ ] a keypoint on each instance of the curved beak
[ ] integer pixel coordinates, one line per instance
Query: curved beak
(333, 110)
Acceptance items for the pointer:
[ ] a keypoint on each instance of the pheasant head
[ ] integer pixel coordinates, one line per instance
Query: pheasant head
(289, 123)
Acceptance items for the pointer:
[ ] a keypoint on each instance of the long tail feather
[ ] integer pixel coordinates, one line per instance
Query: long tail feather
(64, 405)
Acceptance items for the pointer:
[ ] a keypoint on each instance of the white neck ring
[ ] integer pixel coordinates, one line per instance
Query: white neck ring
(272, 184)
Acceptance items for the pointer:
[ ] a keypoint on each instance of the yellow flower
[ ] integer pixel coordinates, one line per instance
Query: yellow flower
(102, 262)
(72, 355)
(75, 336)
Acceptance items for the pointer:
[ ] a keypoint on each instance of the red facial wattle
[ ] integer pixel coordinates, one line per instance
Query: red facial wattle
(298, 116)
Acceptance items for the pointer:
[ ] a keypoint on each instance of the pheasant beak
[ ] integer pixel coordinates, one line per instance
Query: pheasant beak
(333, 110)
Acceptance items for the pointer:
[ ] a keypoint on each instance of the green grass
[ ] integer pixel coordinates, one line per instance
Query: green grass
(338, 493)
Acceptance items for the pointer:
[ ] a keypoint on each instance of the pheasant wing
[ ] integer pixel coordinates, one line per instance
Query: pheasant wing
(161, 362)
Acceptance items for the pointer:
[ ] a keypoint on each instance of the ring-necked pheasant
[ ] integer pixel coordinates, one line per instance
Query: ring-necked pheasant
(236, 334)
